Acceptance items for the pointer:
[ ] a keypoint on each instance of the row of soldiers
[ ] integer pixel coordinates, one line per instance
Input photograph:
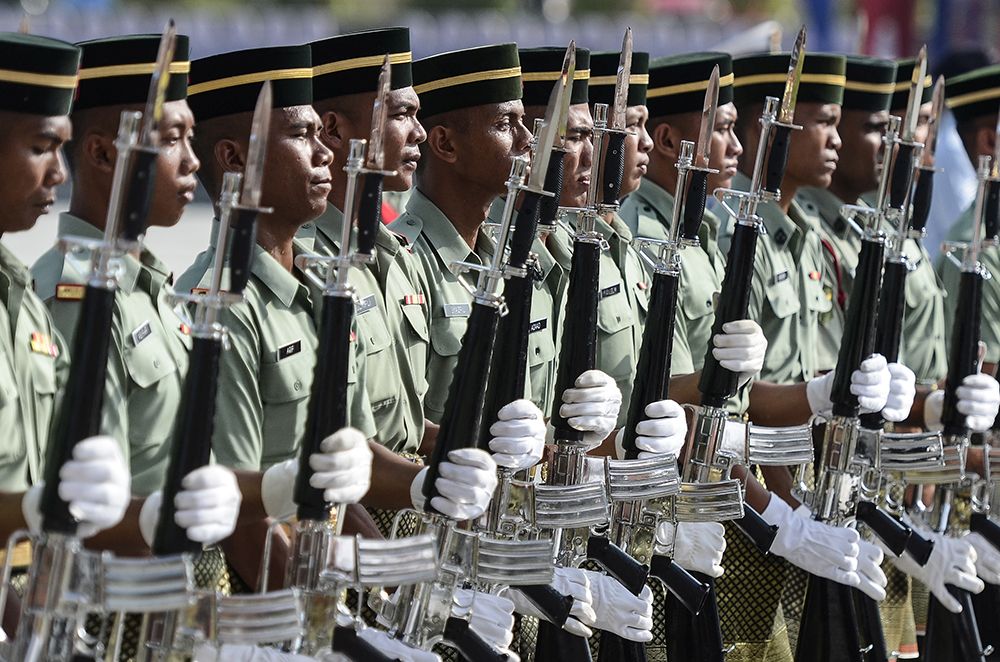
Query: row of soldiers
(455, 123)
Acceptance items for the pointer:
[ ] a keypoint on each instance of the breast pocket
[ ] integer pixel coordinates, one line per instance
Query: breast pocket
(614, 337)
(779, 324)
(921, 284)
(818, 298)
(284, 390)
(12, 446)
(417, 338)
(149, 361)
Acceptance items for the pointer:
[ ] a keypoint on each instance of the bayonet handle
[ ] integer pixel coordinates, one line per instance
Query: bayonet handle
(963, 359)
(716, 383)
(347, 642)
(981, 523)
(688, 589)
(694, 205)
(135, 212)
(992, 219)
(244, 236)
(471, 646)
(369, 212)
(889, 530)
(551, 603)
(919, 547)
(617, 563)
(923, 194)
(548, 208)
(191, 447)
(756, 529)
(777, 159)
(902, 175)
(614, 168)
(327, 411)
(80, 413)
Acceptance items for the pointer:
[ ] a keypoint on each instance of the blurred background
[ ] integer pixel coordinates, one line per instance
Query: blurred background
(952, 29)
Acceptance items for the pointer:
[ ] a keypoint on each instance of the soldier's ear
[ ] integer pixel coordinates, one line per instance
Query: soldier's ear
(986, 139)
(229, 155)
(332, 130)
(665, 142)
(440, 144)
(98, 149)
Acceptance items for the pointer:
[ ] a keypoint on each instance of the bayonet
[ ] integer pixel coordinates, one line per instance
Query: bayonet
(254, 172)
(937, 110)
(616, 114)
(380, 115)
(704, 147)
(149, 132)
(569, 69)
(916, 93)
(550, 127)
(787, 111)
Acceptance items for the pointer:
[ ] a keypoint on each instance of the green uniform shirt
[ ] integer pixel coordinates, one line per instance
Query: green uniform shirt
(950, 275)
(266, 375)
(33, 368)
(147, 355)
(395, 381)
(648, 213)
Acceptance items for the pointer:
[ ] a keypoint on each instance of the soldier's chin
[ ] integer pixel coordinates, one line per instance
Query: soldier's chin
(402, 181)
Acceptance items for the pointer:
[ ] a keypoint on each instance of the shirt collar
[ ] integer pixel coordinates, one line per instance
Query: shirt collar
(331, 226)
(442, 235)
(74, 226)
(658, 198)
(826, 206)
(780, 228)
(13, 268)
(274, 277)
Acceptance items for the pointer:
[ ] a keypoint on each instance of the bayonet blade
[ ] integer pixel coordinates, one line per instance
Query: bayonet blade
(148, 133)
(787, 112)
(253, 174)
(616, 114)
(704, 146)
(937, 108)
(380, 115)
(995, 165)
(569, 66)
(549, 131)
(916, 93)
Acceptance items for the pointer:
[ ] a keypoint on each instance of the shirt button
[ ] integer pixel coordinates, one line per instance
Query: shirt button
(538, 350)
(156, 363)
(297, 386)
(409, 221)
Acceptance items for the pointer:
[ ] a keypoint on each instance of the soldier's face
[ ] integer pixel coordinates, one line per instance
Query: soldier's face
(175, 167)
(861, 136)
(638, 145)
(496, 134)
(726, 148)
(31, 167)
(812, 156)
(579, 156)
(297, 172)
(403, 135)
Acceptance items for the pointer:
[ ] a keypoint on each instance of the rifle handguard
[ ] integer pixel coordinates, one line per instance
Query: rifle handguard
(893, 533)
(369, 212)
(684, 586)
(963, 358)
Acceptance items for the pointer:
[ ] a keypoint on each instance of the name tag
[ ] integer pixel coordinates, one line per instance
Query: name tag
(779, 277)
(362, 306)
(291, 349)
(610, 291)
(457, 309)
(141, 332)
(538, 325)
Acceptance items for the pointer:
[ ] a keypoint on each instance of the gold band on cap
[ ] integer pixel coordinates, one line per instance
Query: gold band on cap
(41, 80)
(545, 76)
(138, 69)
(684, 88)
(973, 97)
(899, 86)
(874, 88)
(247, 79)
(361, 63)
(634, 79)
(839, 80)
(464, 79)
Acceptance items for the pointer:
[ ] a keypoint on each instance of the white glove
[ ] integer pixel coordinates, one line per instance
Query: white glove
(490, 616)
(664, 432)
(395, 648)
(987, 558)
(244, 653)
(592, 406)
(698, 546)
(206, 507)
(95, 483)
(620, 612)
(819, 549)
(902, 390)
(952, 561)
(465, 484)
(870, 383)
(873, 580)
(518, 435)
(978, 399)
(567, 581)
(342, 469)
(741, 348)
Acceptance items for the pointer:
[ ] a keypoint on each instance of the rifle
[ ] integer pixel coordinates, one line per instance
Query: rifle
(955, 636)
(61, 585)
(708, 492)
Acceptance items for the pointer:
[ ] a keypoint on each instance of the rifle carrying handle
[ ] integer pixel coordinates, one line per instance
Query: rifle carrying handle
(893, 533)
(244, 235)
(347, 642)
(548, 207)
(923, 193)
(327, 410)
(369, 212)
(471, 646)
(963, 358)
(688, 589)
(551, 603)
(694, 205)
(614, 168)
(902, 176)
(191, 446)
(135, 212)
(777, 159)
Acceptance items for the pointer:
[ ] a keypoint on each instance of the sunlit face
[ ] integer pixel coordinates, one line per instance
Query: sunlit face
(578, 161)
(175, 167)
(726, 148)
(638, 145)
(297, 173)
(812, 154)
(495, 135)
